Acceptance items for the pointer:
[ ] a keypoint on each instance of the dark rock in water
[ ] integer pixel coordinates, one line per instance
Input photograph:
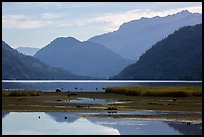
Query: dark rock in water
(58, 90)
(110, 112)
(79, 106)
(111, 108)
(65, 117)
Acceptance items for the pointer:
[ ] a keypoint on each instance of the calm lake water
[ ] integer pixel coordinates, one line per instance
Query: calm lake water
(54, 123)
(85, 85)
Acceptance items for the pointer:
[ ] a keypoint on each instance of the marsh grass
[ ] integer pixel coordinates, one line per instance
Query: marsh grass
(159, 91)
(21, 93)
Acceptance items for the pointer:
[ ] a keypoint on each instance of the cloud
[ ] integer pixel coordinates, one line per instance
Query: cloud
(109, 21)
(25, 22)
(195, 9)
(49, 16)
(114, 21)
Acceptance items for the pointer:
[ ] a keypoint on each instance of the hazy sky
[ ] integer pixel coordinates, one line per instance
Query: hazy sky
(36, 24)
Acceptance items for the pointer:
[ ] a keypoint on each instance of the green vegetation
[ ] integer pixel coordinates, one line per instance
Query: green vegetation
(158, 91)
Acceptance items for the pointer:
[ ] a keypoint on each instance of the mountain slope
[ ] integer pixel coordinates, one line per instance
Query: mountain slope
(27, 50)
(83, 58)
(133, 38)
(179, 56)
(18, 66)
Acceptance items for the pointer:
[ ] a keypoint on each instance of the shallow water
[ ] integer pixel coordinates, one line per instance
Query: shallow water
(145, 112)
(51, 123)
(89, 101)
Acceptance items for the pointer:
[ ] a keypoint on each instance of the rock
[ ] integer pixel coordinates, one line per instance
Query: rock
(58, 90)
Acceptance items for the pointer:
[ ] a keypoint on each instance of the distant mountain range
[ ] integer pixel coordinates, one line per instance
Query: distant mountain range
(27, 50)
(18, 66)
(82, 58)
(133, 38)
(157, 46)
(179, 56)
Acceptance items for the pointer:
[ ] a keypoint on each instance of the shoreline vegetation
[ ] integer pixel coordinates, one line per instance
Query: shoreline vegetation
(158, 91)
(186, 99)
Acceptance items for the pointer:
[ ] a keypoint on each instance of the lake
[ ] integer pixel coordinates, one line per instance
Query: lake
(54, 123)
(87, 85)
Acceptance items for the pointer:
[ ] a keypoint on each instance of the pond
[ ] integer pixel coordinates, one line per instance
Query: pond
(55, 123)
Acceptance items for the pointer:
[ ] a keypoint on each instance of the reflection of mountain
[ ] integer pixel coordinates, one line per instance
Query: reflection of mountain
(193, 129)
(60, 116)
(148, 127)
(4, 114)
(126, 128)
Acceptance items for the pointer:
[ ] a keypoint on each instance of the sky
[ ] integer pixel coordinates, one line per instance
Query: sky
(36, 24)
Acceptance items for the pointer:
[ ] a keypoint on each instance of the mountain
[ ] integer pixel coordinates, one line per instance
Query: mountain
(82, 58)
(179, 56)
(18, 66)
(27, 50)
(133, 38)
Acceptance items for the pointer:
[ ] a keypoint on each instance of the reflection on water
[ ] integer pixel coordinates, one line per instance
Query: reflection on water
(56, 123)
(29, 123)
(91, 100)
(145, 112)
(4, 114)
(60, 117)
(186, 129)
